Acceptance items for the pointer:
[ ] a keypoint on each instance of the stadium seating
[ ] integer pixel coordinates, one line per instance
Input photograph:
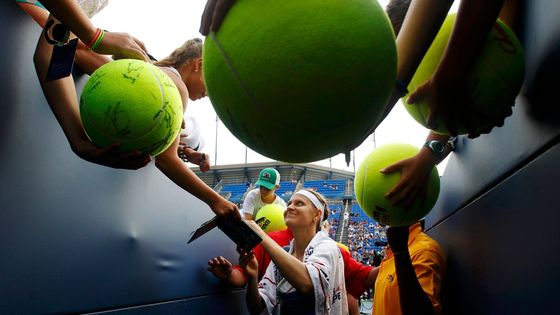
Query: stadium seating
(330, 188)
(237, 191)
(286, 190)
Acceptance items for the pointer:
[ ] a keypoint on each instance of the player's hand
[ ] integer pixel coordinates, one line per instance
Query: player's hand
(397, 237)
(220, 267)
(248, 262)
(213, 15)
(413, 183)
(225, 209)
(121, 46)
(109, 157)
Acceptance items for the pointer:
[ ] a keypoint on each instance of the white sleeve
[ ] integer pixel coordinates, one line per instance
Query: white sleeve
(248, 204)
(279, 201)
(321, 267)
(267, 289)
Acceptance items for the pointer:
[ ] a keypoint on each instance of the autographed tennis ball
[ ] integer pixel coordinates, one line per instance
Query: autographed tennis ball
(133, 103)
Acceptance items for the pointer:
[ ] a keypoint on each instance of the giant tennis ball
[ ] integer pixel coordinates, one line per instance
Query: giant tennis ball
(301, 80)
(133, 103)
(493, 82)
(370, 186)
(271, 218)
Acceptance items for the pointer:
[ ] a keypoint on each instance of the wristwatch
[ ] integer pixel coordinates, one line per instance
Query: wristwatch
(436, 147)
(452, 142)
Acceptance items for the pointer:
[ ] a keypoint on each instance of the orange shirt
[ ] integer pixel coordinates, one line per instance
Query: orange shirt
(429, 265)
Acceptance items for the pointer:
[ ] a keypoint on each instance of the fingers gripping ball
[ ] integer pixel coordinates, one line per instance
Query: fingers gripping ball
(133, 103)
(493, 83)
(370, 186)
(271, 218)
(284, 78)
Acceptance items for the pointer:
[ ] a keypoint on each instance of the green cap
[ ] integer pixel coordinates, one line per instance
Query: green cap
(269, 178)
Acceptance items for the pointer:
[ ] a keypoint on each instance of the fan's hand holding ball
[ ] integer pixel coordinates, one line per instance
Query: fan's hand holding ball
(132, 103)
(109, 156)
(371, 186)
(479, 100)
(415, 174)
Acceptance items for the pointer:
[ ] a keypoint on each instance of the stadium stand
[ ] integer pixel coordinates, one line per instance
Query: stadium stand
(234, 192)
(286, 189)
(331, 189)
(366, 238)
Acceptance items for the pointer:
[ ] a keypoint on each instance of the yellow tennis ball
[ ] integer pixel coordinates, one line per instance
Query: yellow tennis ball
(493, 82)
(133, 103)
(370, 187)
(271, 218)
(285, 75)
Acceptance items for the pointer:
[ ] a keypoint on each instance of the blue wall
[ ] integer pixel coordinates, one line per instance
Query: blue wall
(498, 210)
(76, 237)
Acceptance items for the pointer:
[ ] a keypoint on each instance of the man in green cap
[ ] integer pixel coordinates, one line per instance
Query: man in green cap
(268, 182)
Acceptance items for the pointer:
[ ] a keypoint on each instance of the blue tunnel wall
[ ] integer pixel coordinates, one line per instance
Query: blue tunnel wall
(76, 237)
(498, 210)
(81, 238)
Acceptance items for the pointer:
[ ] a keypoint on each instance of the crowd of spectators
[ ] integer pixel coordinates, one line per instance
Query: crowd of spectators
(366, 241)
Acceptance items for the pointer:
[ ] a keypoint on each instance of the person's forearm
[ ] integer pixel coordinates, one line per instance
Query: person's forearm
(38, 14)
(353, 308)
(60, 95)
(436, 136)
(89, 61)
(413, 299)
(236, 278)
(474, 21)
(67, 115)
(173, 167)
(291, 268)
(71, 15)
(372, 276)
(422, 22)
(426, 152)
(252, 297)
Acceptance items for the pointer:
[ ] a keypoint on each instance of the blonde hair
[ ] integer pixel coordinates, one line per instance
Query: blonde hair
(190, 50)
(323, 200)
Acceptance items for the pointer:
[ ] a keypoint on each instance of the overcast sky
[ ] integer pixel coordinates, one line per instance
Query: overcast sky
(164, 25)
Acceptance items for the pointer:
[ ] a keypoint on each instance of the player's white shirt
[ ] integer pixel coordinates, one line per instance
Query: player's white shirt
(253, 202)
(326, 269)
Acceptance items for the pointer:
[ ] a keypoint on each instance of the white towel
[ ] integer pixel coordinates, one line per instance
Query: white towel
(326, 269)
